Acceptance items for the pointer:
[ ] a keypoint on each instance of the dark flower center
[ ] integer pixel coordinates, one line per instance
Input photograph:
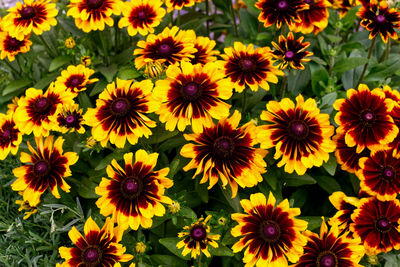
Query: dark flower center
(270, 231)
(307, 1)
(120, 107)
(190, 89)
(383, 225)
(198, 233)
(75, 82)
(6, 135)
(131, 187)
(41, 168)
(141, 15)
(223, 147)
(282, 5)
(388, 173)
(165, 49)
(94, 4)
(298, 130)
(42, 105)
(327, 259)
(367, 116)
(27, 12)
(70, 119)
(91, 255)
(289, 55)
(246, 64)
(12, 42)
(380, 19)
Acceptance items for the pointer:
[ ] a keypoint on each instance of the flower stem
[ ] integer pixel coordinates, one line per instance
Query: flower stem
(104, 46)
(283, 85)
(387, 51)
(234, 19)
(47, 46)
(371, 48)
(244, 101)
(11, 67)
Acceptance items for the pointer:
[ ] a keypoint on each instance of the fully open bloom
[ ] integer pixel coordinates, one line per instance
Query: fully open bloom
(226, 151)
(46, 167)
(10, 136)
(10, 46)
(300, 134)
(395, 144)
(270, 232)
(120, 113)
(345, 206)
(205, 51)
(178, 4)
(75, 78)
(68, 118)
(192, 95)
(314, 18)
(99, 247)
(197, 238)
(249, 66)
(134, 194)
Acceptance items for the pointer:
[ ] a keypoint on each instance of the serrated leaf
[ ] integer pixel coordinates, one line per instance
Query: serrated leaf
(298, 180)
(15, 85)
(58, 62)
(170, 244)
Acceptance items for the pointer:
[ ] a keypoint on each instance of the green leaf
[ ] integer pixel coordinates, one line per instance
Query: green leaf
(220, 251)
(327, 183)
(170, 244)
(109, 72)
(128, 74)
(319, 75)
(314, 222)
(117, 155)
(159, 135)
(330, 165)
(298, 180)
(202, 191)
(86, 187)
(349, 64)
(167, 260)
(233, 202)
(99, 87)
(45, 81)
(391, 260)
(189, 213)
(271, 178)
(15, 85)
(58, 62)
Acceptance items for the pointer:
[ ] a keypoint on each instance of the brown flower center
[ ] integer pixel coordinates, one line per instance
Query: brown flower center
(289, 55)
(70, 119)
(42, 105)
(367, 116)
(223, 147)
(246, 65)
(380, 19)
(383, 225)
(388, 173)
(198, 233)
(165, 49)
(142, 15)
(298, 130)
(131, 187)
(12, 42)
(327, 259)
(91, 256)
(120, 107)
(270, 231)
(27, 12)
(41, 168)
(283, 5)
(74, 82)
(6, 135)
(94, 4)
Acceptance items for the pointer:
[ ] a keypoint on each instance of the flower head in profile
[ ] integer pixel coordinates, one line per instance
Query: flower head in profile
(98, 247)
(133, 195)
(10, 46)
(226, 152)
(345, 206)
(291, 52)
(10, 136)
(68, 118)
(24, 206)
(75, 78)
(249, 66)
(205, 51)
(37, 16)
(120, 113)
(141, 16)
(179, 4)
(314, 18)
(192, 95)
(377, 17)
(197, 238)
(270, 232)
(365, 118)
(300, 134)
(45, 167)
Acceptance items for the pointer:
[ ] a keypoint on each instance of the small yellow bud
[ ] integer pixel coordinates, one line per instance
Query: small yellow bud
(90, 142)
(70, 43)
(154, 69)
(174, 207)
(373, 260)
(86, 61)
(140, 247)
(222, 221)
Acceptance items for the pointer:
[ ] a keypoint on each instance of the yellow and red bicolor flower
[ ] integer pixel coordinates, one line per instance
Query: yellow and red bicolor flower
(75, 78)
(99, 247)
(179, 4)
(205, 51)
(192, 95)
(395, 144)
(291, 52)
(300, 134)
(11, 107)
(120, 113)
(92, 15)
(226, 152)
(314, 18)
(68, 118)
(249, 66)
(10, 136)
(270, 232)
(197, 238)
(10, 46)
(46, 167)
(37, 16)
(34, 111)
(141, 16)
(134, 195)
(170, 46)
(392, 94)
(365, 118)
(377, 224)
(345, 206)
(331, 248)
(377, 17)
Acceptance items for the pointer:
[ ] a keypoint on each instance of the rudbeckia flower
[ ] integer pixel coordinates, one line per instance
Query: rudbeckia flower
(395, 144)
(205, 51)
(249, 66)
(345, 206)
(226, 152)
(314, 18)
(178, 4)
(10, 136)
(28, 209)
(135, 193)
(46, 167)
(270, 232)
(68, 118)
(10, 46)
(75, 78)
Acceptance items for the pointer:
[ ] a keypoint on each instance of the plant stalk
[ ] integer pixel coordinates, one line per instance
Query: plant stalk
(234, 20)
(371, 49)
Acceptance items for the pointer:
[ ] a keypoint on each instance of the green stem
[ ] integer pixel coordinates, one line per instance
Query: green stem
(244, 101)
(371, 49)
(207, 21)
(47, 46)
(234, 20)
(387, 51)
(199, 260)
(283, 85)
(11, 67)
(104, 46)
(117, 33)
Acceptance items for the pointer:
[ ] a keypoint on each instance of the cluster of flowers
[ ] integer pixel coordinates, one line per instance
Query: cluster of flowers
(192, 93)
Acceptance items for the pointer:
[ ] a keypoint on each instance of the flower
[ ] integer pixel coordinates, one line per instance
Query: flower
(270, 233)
(291, 52)
(377, 17)
(68, 118)
(10, 46)
(314, 18)
(170, 46)
(279, 11)
(343, 6)
(331, 248)
(141, 16)
(379, 175)
(90, 142)
(99, 247)
(134, 195)
(226, 151)
(197, 237)
(140, 247)
(174, 207)
(86, 61)
(205, 52)
(70, 43)
(10, 136)
(345, 206)
(192, 95)
(376, 223)
(75, 78)
(365, 118)
(36, 108)
(37, 16)
(24, 206)
(392, 94)
(120, 113)
(179, 4)
(92, 15)
(395, 144)
(46, 167)
(11, 107)
(154, 69)
(300, 134)
(249, 66)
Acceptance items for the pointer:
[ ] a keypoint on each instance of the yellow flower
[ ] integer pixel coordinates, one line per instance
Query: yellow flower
(140, 247)
(75, 78)
(174, 207)
(154, 69)
(10, 46)
(70, 43)
(86, 61)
